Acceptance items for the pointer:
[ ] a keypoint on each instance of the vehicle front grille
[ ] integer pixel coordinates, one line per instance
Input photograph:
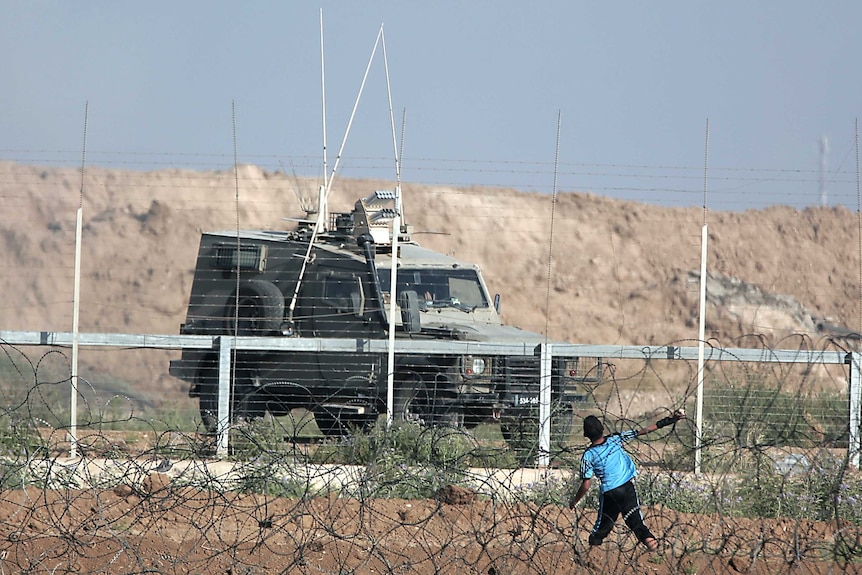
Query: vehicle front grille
(517, 379)
(519, 374)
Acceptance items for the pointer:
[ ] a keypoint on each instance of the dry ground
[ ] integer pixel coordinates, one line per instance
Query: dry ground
(154, 522)
(166, 529)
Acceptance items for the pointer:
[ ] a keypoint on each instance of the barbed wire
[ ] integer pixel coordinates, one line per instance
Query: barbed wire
(777, 493)
(729, 185)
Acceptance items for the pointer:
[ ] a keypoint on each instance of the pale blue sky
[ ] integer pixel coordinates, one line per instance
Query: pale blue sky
(482, 84)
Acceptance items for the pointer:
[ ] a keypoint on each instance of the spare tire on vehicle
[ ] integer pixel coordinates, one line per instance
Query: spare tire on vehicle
(258, 310)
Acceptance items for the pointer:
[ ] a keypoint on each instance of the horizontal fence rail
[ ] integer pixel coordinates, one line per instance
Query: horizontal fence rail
(225, 344)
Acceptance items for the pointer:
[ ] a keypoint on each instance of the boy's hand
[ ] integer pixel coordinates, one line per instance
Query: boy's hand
(670, 420)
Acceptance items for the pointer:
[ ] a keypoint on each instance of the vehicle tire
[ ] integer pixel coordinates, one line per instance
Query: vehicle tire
(411, 403)
(471, 423)
(451, 417)
(261, 309)
(562, 424)
(425, 405)
(246, 403)
(337, 423)
(207, 385)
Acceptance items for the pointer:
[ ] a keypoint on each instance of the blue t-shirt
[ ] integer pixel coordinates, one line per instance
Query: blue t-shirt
(609, 461)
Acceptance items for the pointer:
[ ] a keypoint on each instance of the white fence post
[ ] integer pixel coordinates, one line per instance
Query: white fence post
(544, 458)
(224, 392)
(855, 444)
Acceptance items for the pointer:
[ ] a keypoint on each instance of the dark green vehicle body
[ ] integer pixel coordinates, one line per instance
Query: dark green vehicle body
(254, 283)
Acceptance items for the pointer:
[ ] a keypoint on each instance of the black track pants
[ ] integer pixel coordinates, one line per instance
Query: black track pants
(622, 500)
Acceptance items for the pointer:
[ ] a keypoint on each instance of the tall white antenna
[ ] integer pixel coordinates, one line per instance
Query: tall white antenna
(392, 125)
(325, 190)
(322, 212)
(824, 165)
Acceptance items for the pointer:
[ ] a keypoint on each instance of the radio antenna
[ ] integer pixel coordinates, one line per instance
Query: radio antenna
(392, 126)
(287, 329)
(398, 205)
(701, 333)
(322, 210)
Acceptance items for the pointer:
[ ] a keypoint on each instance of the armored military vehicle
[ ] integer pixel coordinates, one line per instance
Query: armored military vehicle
(333, 281)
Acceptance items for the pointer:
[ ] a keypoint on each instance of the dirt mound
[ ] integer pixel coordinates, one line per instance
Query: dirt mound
(456, 495)
(605, 272)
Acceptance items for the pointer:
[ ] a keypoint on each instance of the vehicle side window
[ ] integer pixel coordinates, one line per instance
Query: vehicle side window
(338, 290)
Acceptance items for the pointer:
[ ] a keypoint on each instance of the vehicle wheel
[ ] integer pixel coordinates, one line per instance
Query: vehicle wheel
(562, 424)
(363, 422)
(260, 311)
(207, 384)
(452, 417)
(339, 423)
(473, 420)
(247, 403)
(411, 403)
(471, 424)
(419, 403)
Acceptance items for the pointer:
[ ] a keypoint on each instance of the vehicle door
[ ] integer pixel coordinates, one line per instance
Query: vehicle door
(343, 308)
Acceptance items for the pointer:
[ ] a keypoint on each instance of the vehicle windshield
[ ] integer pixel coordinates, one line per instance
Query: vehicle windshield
(439, 287)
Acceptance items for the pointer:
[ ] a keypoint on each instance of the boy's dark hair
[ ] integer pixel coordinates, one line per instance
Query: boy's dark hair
(593, 428)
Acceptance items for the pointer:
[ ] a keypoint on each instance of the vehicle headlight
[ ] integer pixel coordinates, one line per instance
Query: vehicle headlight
(474, 366)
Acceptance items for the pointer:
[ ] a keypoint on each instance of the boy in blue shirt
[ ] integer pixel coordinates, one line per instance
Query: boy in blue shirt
(606, 459)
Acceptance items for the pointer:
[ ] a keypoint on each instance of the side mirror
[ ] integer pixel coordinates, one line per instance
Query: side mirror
(409, 302)
(357, 299)
(497, 302)
(357, 304)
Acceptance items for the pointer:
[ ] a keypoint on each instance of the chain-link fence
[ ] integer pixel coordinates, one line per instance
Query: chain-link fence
(147, 491)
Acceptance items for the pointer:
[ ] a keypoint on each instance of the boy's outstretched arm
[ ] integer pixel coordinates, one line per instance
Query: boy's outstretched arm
(664, 422)
(582, 490)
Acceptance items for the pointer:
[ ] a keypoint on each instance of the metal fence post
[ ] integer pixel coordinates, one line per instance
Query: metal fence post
(544, 458)
(225, 343)
(855, 420)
